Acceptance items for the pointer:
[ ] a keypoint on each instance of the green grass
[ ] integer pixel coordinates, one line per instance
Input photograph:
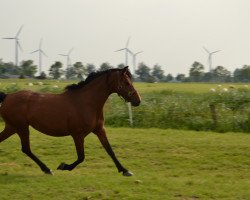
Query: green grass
(186, 87)
(167, 164)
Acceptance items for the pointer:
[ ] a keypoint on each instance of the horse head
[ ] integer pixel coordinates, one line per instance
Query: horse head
(125, 88)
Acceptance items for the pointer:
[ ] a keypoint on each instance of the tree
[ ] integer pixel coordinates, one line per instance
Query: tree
(237, 75)
(169, 78)
(55, 70)
(143, 73)
(80, 70)
(196, 72)
(242, 74)
(245, 71)
(158, 73)
(208, 77)
(42, 76)
(70, 73)
(2, 67)
(221, 74)
(77, 71)
(105, 66)
(181, 77)
(121, 66)
(11, 68)
(28, 69)
(90, 68)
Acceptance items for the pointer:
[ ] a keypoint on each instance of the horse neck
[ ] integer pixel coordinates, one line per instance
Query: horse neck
(97, 91)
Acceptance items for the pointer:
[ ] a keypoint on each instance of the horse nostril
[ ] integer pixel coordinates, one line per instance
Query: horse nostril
(135, 103)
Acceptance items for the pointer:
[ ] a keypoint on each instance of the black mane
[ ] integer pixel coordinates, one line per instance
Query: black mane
(92, 76)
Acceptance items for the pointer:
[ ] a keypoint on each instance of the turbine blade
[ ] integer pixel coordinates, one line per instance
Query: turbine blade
(129, 51)
(138, 53)
(19, 31)
(127, 42)
(9, 38)
(121, 49)
(19, 46)
(206, 50)
(41, 42)
(43, 53)
(70, 51)
(62, 55)
(215, 51)
(34, 51)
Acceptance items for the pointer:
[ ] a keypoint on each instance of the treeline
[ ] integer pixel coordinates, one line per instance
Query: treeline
(143, 73)
(196, 74)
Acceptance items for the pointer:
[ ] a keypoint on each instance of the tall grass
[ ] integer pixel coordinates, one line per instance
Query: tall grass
(182, 110)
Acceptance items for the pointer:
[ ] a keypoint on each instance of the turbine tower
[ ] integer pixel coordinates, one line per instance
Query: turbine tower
(126, 51)
(41, 53)
(134, 58)
(68, 57)
(210, 58)
(17, 44)
(126, 64)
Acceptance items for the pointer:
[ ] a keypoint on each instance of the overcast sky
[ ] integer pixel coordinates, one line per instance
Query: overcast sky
(170, 33)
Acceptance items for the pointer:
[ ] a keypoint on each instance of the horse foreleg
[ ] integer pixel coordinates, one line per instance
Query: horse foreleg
(79, 144)
(7, 132)
(105, 143)
(25, 141)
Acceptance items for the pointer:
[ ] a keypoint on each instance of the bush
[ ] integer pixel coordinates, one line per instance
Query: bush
(13, 87)
(168, 109)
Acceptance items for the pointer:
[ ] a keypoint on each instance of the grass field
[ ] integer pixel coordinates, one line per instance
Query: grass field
(186, 87)
(167, 164)
(141, 87)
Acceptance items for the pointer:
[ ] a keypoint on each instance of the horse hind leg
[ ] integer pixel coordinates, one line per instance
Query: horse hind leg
(25, 141)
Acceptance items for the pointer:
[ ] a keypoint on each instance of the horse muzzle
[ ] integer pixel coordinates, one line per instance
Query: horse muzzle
(135, 100)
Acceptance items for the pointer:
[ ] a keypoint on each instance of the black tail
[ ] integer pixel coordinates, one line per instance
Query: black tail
(2, 96)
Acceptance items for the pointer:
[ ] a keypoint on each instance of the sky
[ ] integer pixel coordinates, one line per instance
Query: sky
(170, 33)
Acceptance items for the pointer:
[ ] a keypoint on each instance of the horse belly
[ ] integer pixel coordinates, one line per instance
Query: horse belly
(51, 122)
(50, 130)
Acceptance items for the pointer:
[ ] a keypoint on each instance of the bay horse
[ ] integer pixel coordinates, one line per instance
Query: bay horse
(77, 111)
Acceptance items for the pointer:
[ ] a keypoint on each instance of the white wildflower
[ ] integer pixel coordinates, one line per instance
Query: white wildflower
(224, 90)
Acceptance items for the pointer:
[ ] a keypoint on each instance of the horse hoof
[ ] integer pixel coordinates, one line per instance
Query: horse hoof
(61, 166)
(49, 172)
(127, 173)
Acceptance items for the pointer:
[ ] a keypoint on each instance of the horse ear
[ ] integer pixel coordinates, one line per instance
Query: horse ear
(125, 69)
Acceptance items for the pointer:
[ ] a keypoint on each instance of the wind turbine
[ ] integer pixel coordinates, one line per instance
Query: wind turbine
(68, 57)
(210, 58)
(41, 53)
(17, 44)
(126, 64)
(126, 51)
(134, 58)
